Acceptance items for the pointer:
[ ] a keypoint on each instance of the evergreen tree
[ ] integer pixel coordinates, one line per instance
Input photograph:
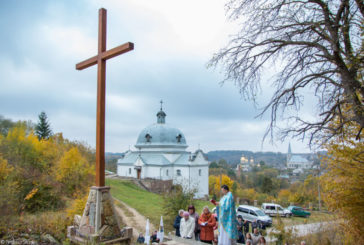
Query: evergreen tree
(43, 129)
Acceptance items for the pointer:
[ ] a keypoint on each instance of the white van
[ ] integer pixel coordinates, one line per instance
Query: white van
(272, 209)
(251, 213)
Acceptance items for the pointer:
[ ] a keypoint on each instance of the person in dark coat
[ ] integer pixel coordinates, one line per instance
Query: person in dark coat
(177, 222)
(154, 237)
(241, 238)
(255, 225)
(240, 223)
(191, 209)
(246, 227)
(141, 239)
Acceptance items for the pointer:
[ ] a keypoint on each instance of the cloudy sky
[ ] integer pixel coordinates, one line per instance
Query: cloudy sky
(41, 41)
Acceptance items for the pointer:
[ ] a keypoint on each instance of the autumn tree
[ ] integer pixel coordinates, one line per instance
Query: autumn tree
(215, 184)
(28, 170)
(343, 182)
(73, 170)
(43, 129)
(308, 46)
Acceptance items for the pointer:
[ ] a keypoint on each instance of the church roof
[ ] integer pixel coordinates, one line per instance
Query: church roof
(298, 158)
(161, 135)
(156, 158)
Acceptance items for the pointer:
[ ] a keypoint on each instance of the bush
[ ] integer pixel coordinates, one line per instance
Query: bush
(36, 225)
(77, 206)
(176, 200)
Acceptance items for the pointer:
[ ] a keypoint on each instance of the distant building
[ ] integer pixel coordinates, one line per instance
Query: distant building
(297, 161)
(162, 155)
(245, 163)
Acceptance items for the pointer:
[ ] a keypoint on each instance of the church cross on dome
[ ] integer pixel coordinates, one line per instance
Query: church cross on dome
(161, 115)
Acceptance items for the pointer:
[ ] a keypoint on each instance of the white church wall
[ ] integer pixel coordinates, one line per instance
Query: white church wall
(200, 159)
(153, 172)
(127, 171)
(199, 177)
(167, 173)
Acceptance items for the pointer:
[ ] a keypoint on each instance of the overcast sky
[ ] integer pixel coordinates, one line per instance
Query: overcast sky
(41, 41)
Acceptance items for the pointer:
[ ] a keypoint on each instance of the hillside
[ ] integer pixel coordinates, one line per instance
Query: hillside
(233, 157)
(146, 203)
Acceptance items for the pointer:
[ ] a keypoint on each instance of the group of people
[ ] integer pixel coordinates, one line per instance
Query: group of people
(153, 238)
(190, 225)
(243, 232)
(221, 228)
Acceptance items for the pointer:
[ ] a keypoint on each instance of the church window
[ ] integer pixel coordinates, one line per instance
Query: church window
(199, 172)
(167, 172)
(148, 137)
(129, 170)
(179, 137)
(178, 172)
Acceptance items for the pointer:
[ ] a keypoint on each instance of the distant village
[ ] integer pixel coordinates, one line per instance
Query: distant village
(293, 165)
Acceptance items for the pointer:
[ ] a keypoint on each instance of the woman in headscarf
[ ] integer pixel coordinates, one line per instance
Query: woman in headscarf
(207, 222)
(187, 226)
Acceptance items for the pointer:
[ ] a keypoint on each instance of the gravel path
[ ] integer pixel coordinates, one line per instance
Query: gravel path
(133, 218)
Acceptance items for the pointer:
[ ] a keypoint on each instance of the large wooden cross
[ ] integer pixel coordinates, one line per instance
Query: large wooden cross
(100, 60)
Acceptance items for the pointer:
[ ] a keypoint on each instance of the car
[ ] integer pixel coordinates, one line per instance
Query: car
(272, 209)
(298, 211)
(251, 213)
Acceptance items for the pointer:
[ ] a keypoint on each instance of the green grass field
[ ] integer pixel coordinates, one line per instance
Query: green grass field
(315, 217)
(150, 204)
(146, 203)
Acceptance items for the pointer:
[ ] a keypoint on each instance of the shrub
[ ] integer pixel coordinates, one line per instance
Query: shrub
(77, 206)
(176, 200)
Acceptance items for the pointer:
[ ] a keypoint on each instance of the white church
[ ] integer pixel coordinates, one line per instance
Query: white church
(161, 154)
(297, 161)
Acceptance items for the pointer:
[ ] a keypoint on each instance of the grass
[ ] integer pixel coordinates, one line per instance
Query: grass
(315, 217)
(150, 204)
(146, 203)
(124, 208)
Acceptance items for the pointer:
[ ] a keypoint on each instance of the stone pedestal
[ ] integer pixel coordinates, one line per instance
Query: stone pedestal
(99, 223)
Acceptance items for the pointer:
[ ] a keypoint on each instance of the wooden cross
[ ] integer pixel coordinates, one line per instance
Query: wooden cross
(100, 60)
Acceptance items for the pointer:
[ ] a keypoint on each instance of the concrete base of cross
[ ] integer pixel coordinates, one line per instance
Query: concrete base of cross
(99, 223)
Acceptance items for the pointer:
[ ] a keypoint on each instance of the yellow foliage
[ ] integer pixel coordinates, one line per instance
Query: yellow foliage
(250, 194)
(73, 169)
(284, 194)
(343, 182)
(225, 181)
(212, 183)
(31, 193)
(215, 185)
(5, 169)
(77, 207)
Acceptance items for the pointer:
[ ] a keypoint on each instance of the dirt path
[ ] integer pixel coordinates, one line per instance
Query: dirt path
(132, 218)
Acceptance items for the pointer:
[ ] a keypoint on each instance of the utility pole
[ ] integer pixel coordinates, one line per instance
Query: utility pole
(318, 186)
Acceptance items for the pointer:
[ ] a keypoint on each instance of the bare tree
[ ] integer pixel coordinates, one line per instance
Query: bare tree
(316, 46)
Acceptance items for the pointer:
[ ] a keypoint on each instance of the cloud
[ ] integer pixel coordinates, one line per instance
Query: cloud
(173, 42)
